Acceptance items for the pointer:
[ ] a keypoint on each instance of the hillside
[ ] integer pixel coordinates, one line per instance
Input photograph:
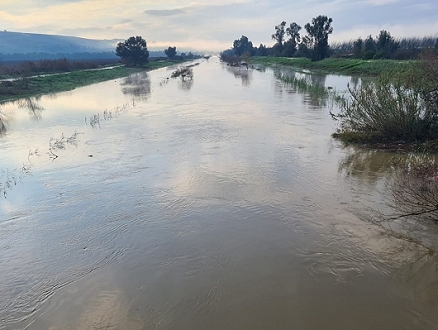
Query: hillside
(20, 43)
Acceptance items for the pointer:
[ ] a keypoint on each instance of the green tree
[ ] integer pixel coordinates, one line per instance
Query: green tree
(290, 46)
(133, 51)
(369, 48)
(317, 36)
(278, 36)
(170, 52)
(293, 31)
(357, 48)
(262, 50)
(243, 45)
(385, 45)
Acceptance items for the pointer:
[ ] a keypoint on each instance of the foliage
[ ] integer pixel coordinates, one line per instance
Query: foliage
(398, 48)
(397, 106)
(290, 46)
(133, 51)
(185, 72)
(242, 46)
(278, 36)
(317, 36)
(170, 52)
(385, 45)
(28, 68)
(369, 48)
(357, 48)
(341, 65)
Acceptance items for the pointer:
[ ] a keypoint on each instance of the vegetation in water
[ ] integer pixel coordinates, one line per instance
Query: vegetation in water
(185, 72)
(400, 107)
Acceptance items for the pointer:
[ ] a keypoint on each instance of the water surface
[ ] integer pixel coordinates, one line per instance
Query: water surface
(217, 203)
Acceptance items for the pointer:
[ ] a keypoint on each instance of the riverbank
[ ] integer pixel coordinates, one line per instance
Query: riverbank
(339, 65)
(53, 83)
(383, 114)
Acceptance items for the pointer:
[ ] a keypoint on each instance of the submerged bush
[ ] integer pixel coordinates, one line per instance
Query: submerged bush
(401, 106)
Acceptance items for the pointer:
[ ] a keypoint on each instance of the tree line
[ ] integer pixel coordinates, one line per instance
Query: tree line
(289, 42)
(134, 51)
(384, 46)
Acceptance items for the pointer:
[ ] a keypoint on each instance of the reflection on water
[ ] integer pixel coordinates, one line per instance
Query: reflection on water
(242, 73)
(32, 106)
(137, 85)
(3, 123)
(186, 85)
(312, 87)
(368, 165)
(10, 178)
(212, 206)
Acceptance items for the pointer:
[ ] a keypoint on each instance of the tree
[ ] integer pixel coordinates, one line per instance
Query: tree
(290, 46)
(170, 52)
(369, 48)
(243, 45)
(293, 31)
(278, 36)
(385, 45)
(133, 51)
(262, 50)
(357, 48)
(317, 36)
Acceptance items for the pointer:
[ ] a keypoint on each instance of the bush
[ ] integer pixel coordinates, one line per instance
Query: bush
(397, 106)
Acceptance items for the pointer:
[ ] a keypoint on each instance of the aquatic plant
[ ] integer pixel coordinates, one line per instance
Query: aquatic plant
(185, 72)
(61, 143)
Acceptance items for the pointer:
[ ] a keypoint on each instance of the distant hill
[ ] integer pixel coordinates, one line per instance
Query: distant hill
(21, 43)
(16, 46)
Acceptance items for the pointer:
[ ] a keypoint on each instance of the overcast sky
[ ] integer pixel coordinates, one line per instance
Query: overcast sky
(213, 25)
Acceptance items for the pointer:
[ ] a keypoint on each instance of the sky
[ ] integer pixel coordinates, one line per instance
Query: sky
(214, 25)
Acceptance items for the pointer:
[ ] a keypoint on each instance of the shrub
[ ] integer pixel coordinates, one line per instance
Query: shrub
(397, 106)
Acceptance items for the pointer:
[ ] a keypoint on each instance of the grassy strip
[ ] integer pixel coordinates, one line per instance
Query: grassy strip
(340, 65)
(33, 86)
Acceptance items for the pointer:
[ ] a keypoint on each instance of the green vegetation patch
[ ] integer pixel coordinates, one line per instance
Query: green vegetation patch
(398, 108)
(32, 86)
(340, 65)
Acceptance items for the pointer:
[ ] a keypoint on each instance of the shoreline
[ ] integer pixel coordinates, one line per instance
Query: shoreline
(13, 89)
(342, 66)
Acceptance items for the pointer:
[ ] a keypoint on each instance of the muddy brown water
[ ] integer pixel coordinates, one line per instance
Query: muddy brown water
(217, 203)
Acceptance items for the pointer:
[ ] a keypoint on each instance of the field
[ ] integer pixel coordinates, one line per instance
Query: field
(46, 84)
(339, 65)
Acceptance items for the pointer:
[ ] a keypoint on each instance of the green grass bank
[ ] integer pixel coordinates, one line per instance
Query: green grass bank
(339, 65)
(59, 82)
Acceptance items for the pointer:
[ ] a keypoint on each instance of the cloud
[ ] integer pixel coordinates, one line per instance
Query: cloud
(168, 12)
(204, 24)
(382, 2)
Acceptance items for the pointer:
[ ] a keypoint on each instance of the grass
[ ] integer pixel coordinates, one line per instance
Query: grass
(54, 83)
(339, 65)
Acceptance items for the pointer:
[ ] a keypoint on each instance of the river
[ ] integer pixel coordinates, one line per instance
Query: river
(219, 203)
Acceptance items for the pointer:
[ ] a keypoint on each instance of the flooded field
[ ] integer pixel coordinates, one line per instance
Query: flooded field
(218, 203)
